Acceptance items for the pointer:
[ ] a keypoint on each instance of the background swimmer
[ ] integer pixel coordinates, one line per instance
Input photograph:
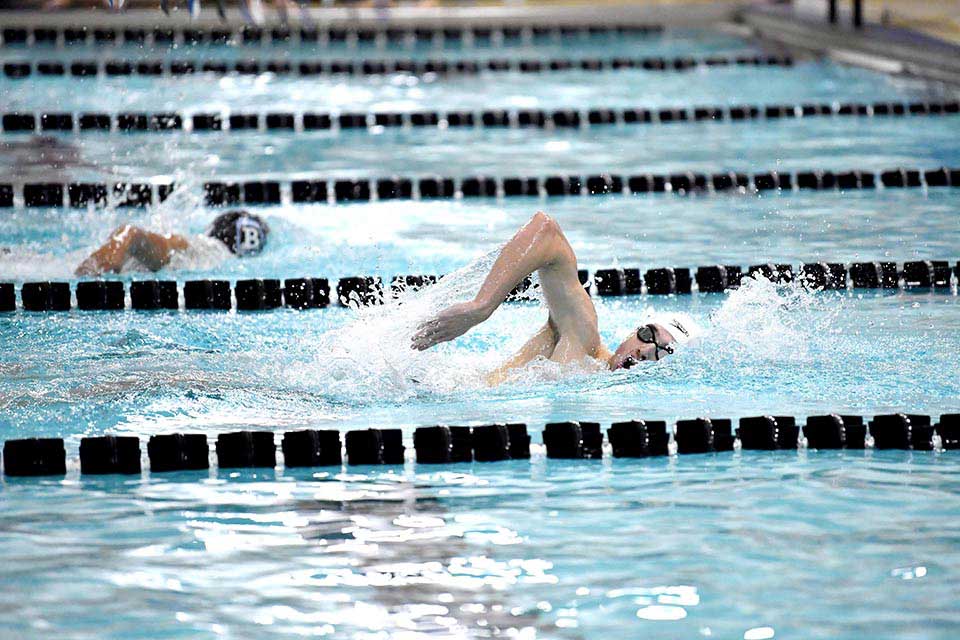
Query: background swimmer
(42, 158)
(131, 248)
(571, 332)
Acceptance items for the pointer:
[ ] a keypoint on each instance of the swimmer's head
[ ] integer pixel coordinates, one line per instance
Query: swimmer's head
(245, 234)
(654, 340)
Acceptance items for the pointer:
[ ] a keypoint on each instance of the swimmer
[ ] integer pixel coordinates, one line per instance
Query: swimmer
(131, 248)
(44, 158)
(571, 332)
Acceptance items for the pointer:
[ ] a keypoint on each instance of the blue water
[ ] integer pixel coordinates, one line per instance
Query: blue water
(647, 231)
(836, 143)
(816, 546)
(807, 80)
(738, 545)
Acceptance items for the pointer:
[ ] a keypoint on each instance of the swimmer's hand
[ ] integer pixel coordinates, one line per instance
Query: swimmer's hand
(452, 322)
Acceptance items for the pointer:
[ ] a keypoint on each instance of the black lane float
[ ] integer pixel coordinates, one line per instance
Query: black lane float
(321, 35)
(83, 69)
(376, 121)
(443, 444)
(264, 294)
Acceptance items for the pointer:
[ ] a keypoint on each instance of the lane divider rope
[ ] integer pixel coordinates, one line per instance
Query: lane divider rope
(442, 444)
(260, 294)
(323, 190)
(39, 36)
(323, 67)
(134, 122)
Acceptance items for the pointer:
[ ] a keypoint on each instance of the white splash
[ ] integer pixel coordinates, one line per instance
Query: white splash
(373, 355)
(764, 320)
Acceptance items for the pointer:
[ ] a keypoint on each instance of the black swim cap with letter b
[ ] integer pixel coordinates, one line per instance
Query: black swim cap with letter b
(244, 234)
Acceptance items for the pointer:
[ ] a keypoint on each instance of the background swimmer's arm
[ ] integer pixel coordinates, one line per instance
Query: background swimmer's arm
(153, 250)
(541, 344)
(538, 246)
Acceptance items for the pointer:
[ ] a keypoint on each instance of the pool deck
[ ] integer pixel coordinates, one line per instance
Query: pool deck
(692, 13)
(884, 47)
(889, 41)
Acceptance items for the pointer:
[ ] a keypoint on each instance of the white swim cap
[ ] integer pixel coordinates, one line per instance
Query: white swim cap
(680, 325)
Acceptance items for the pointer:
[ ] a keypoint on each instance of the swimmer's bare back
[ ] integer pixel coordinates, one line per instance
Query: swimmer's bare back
(152, 250)
(571, 331)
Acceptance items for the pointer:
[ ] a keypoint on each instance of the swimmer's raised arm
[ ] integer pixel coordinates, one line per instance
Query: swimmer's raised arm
(538, 246)
(152, 250)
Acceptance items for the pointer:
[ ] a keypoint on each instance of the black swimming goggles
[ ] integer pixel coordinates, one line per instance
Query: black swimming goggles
(647, 334)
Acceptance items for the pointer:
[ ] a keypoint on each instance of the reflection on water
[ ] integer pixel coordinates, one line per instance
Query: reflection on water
(698, 546)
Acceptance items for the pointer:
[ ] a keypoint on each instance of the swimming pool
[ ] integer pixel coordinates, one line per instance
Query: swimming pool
(744, 544)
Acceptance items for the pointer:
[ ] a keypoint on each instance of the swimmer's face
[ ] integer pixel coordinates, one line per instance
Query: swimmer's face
(634, 350)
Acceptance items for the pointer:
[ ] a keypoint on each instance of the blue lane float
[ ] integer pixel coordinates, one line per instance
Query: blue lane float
(489, 443)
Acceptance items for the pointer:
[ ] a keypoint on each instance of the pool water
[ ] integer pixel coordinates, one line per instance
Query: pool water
(872, 144)
(388, 238)
(829, 545)
(746, 545)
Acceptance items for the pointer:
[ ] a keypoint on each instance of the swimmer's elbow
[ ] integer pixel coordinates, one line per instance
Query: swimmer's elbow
(127, 232)
(549, 232)
(545, 224)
